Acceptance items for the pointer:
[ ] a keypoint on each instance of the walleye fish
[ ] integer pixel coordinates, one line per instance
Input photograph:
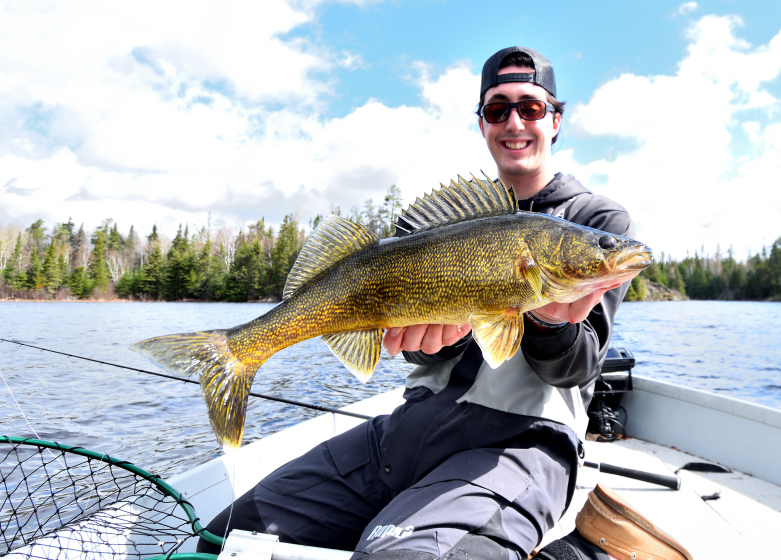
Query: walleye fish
(470, 257)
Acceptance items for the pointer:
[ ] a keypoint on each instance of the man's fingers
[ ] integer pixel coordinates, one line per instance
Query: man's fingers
(413, 337)
(580, 309)
(553, 312)
(429, 338)
(392, 340)
(432, 340)
(453, 333)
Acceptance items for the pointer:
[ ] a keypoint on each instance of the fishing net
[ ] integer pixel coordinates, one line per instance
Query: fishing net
(68, 502)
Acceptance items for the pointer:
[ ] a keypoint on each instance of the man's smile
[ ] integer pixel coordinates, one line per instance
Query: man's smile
(515, 145)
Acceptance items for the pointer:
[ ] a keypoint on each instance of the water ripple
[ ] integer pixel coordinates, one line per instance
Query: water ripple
(162, 424)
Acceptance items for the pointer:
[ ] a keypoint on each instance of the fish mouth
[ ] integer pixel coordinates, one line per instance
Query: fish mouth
(635, 258)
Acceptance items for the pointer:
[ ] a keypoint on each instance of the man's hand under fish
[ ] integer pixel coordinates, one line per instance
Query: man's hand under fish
(432, 338)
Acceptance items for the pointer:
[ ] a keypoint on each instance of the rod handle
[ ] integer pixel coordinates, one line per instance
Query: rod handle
(672, 482)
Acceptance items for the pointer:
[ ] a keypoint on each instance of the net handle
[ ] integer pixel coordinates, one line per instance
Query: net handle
(164, 487)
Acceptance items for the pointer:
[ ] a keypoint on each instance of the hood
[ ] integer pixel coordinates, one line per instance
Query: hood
(560, 189)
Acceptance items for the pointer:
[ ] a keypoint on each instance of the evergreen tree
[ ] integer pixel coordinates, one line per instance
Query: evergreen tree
(52, 269)
(284, 254)
(180, 271)
(152, 280)
(153, 237)
(36, 236)
(35, 279)
(250, 274)
(115, 241)
(98, 270)
(80, 283)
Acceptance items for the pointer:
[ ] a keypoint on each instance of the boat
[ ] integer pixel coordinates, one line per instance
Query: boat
(713, 514)
(728, 514)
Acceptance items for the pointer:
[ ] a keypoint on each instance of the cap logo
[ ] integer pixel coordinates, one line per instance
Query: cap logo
(502, 78)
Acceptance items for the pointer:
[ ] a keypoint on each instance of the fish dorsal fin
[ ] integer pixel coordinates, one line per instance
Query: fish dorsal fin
(459, 201)
(498, 334)
(334, 239)
(359, 351)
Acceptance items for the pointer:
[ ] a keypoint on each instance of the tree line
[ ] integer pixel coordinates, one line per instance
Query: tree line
(251, 263)
(232, 264)
(717, 277)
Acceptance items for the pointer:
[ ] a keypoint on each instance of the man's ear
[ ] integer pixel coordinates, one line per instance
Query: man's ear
(556, 124)
(480, 124)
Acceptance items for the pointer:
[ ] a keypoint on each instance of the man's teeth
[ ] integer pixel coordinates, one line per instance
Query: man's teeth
(516, 145)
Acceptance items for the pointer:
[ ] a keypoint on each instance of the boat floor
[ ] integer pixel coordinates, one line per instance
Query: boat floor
(739, 524)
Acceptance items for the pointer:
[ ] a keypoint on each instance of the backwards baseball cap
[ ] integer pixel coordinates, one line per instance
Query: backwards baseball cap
(543, 71)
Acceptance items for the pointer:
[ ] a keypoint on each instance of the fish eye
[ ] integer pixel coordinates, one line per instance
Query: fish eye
(607, 242)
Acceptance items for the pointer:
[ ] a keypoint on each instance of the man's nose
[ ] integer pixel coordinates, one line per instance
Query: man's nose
(514, 121)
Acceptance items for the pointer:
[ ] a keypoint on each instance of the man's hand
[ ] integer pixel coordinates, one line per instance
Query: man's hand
(432, 338)
(574, 312)
(429, 338)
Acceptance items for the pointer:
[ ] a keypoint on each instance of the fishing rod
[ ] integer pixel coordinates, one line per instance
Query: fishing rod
(185, 380)
(672, 482)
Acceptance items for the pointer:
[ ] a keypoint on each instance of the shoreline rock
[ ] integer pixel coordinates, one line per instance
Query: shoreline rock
(659, 292)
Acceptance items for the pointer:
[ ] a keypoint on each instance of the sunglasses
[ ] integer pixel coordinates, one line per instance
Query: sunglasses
(528, 110)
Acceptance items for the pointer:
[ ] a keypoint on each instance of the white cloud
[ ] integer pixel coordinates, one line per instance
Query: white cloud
(692, 180)
(163, 113)
(159, 113)
(686, 8)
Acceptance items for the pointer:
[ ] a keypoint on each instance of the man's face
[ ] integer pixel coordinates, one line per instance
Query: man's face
(520, 148)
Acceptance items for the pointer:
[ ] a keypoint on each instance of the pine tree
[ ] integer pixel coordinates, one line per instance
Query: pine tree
(35, 279)
(52, 272)
(98, 270)
(80, 283)
(152, 281)
(180, 267)
(36, 236)
(284, 254)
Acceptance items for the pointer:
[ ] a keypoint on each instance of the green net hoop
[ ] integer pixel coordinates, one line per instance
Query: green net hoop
(68, 502)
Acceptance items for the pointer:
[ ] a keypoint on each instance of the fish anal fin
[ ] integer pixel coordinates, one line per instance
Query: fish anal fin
(526, 269)
(498, 334)
(359, 351)
(334, 239)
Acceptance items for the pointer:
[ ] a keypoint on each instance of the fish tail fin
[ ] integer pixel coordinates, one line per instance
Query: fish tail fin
(225, 378)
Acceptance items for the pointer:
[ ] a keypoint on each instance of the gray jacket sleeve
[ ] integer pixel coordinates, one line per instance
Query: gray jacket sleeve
(573, 356)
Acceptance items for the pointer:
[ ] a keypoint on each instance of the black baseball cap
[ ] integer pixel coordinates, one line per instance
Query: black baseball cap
(543, 71)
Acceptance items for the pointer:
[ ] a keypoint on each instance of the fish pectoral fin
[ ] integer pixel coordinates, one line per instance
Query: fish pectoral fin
(498, 334)
(359, 351)
(526, 269)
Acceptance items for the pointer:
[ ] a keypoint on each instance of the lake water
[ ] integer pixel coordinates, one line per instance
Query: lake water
(728, 348)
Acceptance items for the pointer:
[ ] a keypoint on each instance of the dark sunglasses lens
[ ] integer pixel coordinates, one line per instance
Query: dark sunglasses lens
(496, 112)
(532, 110)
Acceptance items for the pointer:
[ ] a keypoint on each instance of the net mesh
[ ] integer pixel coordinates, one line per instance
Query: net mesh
(65, 502)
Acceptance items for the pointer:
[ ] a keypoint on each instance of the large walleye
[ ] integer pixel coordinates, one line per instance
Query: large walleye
(470, 257)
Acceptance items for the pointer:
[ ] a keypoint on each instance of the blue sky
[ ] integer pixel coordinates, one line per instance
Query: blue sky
(589, 45)
(219, 115)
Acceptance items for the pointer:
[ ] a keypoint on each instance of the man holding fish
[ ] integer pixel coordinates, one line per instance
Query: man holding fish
(481, 460)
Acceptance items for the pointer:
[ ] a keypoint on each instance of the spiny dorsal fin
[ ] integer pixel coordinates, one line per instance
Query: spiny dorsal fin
(460, 201)
(334, 239)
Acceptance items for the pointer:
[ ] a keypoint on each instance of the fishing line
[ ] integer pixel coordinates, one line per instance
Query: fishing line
(24, 416)
(185, 380)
